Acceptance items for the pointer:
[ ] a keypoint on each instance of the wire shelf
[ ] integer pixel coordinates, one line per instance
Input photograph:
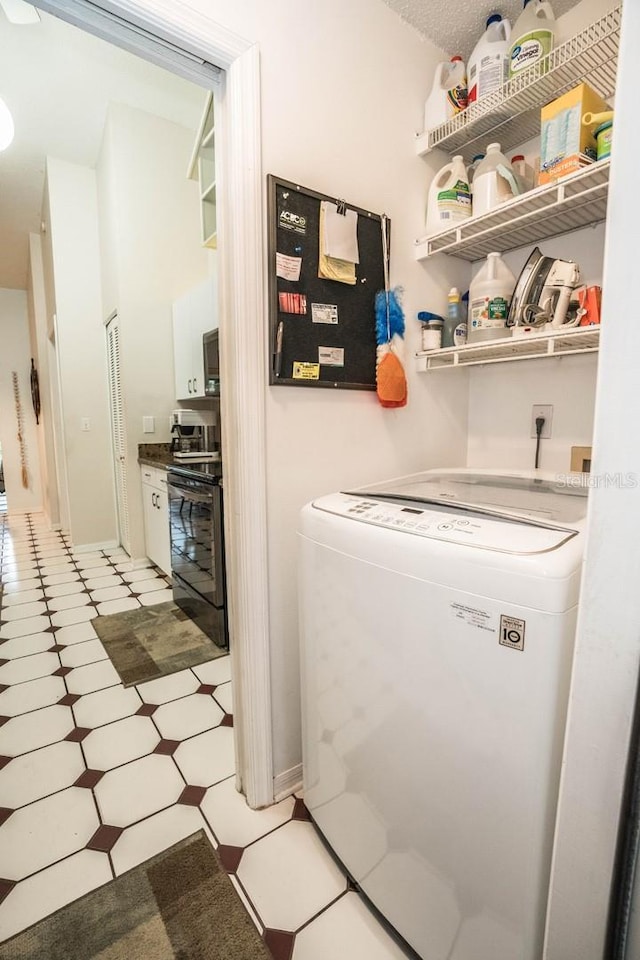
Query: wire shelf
(511, 115)
(576, 201)
(530, 347)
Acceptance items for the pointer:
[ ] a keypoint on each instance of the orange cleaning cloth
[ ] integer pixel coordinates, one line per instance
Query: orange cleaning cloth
(391, 382)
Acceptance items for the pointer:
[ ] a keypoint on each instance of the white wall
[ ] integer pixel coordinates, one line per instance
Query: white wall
(501, 396)
(15, 355)
(151, 254)
(37, 301)
(81, 346)
(343, 89)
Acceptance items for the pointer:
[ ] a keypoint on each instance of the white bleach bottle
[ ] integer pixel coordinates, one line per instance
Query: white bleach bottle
(532, 36)
(448, 94)
(490, 296)
(488, 66)
(449, 197)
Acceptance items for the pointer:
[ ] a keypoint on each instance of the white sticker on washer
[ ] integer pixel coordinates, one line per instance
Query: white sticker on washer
(511, 632)
(473, 616)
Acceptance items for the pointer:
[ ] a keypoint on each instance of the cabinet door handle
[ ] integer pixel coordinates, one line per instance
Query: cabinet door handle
(195, 385)
(158, 501)
(189, 386)
(153, 499)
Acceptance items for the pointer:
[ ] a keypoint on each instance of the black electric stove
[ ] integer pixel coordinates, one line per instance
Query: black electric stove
(197, 545)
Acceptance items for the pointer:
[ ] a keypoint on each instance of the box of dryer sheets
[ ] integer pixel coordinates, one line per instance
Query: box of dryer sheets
(566, 144)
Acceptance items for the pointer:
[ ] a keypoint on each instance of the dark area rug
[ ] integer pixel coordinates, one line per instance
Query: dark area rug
(179, 905)
(151, 642)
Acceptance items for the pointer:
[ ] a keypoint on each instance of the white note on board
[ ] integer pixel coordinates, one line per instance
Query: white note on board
(340, 233)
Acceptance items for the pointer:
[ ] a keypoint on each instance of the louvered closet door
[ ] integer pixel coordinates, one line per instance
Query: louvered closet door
(118, 431)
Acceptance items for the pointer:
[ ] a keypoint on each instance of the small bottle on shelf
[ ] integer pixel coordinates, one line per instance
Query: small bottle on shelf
(454, 332)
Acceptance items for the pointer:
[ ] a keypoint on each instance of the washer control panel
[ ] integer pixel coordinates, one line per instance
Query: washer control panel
(492, 533)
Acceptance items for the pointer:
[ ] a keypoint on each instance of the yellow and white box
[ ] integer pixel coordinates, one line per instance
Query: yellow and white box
(566, 144)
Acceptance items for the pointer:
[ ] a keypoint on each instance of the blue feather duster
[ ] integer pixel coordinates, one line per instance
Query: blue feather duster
(388, 322)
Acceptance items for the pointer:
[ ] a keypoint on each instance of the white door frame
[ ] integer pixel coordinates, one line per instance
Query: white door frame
(244, 366)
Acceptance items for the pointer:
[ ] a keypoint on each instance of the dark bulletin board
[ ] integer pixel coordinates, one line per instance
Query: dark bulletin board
(294, 231)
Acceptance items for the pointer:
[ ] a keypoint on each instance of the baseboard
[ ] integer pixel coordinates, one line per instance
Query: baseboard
(287, 782)
(91, 547)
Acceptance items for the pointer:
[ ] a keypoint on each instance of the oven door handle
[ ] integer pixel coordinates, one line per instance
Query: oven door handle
(187, 493)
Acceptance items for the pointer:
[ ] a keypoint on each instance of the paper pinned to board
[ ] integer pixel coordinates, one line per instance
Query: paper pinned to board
(288, 268)
(340, 233)
(331, 268)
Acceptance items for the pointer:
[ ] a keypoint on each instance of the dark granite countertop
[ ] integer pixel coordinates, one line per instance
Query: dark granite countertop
(155, 455)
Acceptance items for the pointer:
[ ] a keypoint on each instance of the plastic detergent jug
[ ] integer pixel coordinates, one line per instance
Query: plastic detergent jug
(448, 94)
(488, 66)
(449, 197)
(490, 295)
(494, 181)
(454, 332)
(525, 174)
(532, 36)
(471, 170)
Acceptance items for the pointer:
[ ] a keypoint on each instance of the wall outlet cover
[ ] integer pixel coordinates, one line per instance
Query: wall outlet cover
(542, 410)
(148, 425)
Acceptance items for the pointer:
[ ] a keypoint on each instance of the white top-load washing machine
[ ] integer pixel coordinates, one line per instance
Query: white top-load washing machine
(437, 624)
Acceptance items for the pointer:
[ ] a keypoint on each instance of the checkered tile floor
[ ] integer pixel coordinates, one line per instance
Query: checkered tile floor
(96, 778)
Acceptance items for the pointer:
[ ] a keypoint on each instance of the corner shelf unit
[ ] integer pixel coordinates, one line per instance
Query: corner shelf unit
(578, 200)
(531, 347)
(202, 167)
(511, 115)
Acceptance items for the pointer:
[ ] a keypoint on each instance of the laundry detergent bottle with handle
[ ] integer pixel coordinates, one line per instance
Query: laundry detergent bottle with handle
(494, 181)
(449, 197)
(490, 296)
(488, 66)
(448, 94)
(532, 36)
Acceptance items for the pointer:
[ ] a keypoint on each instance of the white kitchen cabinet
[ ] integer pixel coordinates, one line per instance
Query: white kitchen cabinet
(155, 504)
(202, 167)
(194, 314)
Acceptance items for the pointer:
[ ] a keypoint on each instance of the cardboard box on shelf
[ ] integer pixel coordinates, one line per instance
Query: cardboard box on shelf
(566, 144)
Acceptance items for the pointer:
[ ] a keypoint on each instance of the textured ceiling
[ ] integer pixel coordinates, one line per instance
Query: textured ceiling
(455, 28)
(58, 81)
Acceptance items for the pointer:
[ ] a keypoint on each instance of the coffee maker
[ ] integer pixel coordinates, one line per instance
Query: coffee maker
(193, 435)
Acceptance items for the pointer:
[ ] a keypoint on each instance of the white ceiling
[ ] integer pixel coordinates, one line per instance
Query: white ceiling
(57, 81)
(454, 26)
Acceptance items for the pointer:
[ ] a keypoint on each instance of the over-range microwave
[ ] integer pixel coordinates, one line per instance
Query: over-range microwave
(211, 364)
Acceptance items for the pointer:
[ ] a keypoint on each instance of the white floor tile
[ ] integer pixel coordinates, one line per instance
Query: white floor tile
(117, 606)
(188, 716)
(64, 618)
(64, 589)
(135, 575)
(95, 676)
(39, 773)
(31, 696)
(120, 742)
(20, 586)
(234, 822)
(289, 876)
(47, 830)
(93, 564)
(215, 671)
(157, 596)
(25, 646)
(149, 586)
(54, 579)
(168, 688)
(138, 789)
(52, 553)
(254, 916)
(76, 633)
(37, 729)
(69, 603)
(23, 610)
(79, 654)
(224, 697)
(116, 553)
(51, 889)
(207, 758)
(29, 668)
(22, 628)
(18, 571)
(79, 556)
(24, 597)
(128, 566)
(152, 836)
(110, 593)
(346, 931)
(103, 583)
(50, 568)
(105, 706)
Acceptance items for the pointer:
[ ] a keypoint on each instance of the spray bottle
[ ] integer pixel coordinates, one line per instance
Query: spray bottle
(454, 332)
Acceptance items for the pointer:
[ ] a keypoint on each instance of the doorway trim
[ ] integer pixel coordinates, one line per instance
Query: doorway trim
(242, 333)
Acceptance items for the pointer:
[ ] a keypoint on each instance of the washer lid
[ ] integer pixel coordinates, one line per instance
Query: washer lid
(532, 498)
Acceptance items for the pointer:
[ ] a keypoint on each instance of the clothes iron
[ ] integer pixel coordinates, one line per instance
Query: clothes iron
(543, 293)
